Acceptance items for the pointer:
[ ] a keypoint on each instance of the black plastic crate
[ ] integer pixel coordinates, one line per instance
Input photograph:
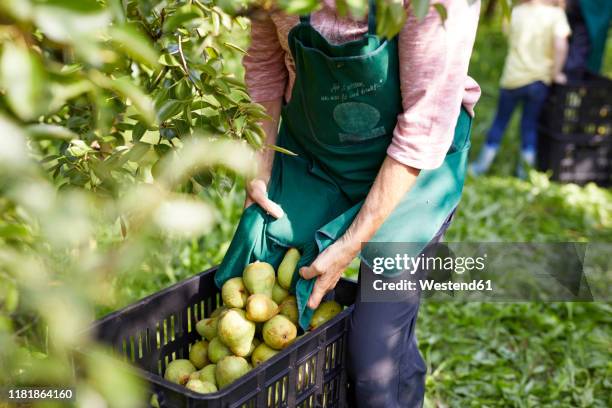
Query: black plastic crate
(576, 159)
(160, 328)
(579, 108)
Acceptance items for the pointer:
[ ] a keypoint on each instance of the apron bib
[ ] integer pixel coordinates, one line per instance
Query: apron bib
(339, 122)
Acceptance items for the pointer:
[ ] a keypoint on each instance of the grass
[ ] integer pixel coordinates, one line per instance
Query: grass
(478, 354)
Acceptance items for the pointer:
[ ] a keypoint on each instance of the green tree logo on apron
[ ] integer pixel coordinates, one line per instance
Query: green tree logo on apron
(358, 120)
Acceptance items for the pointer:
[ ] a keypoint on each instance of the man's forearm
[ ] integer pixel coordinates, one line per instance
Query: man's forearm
(393, 181)
(266, 156)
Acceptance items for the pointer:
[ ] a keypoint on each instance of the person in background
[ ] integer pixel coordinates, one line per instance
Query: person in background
(579, 42)
(538, 44)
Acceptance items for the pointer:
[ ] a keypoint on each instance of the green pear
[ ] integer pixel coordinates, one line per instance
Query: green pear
(217, 350)
(324, 312)
(229, 369)
(289, 308)
(207, 374)
(279, 332)
(236, 331)
(262, 353)
(201, 386)
(260, 308)
(198, 354)
(217, 312)
(178, 371)
(207, 328)
(279, 293)
(254, 344)
(234, 293)
(287, 268)
(259, 278)
(304, 377)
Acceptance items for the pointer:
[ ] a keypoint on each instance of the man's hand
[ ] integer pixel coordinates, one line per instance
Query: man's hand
(327, 268)
(257, 189)
(257, 192)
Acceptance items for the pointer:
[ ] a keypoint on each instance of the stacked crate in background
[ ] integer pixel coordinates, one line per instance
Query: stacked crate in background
(575, 138)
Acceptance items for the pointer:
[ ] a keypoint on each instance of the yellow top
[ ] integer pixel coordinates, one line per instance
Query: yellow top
(533, 27)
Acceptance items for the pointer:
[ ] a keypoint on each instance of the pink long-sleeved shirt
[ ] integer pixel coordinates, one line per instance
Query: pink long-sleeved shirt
(434, 58)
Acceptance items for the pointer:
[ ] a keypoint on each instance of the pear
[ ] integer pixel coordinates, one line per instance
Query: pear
(198, 354)
(201, 386)
(229, 369)
(236, 332)
(289, 308)
(207, 374)
(217, 350)
(324, 312)
(279, 293)
(262, 353)
(234, 293)
(260, 308)
(217, 312)
(254, 345)
(207, 328)
(304, 377)
(287, 268)
(279, 332)
(178, 371)
(259, 277)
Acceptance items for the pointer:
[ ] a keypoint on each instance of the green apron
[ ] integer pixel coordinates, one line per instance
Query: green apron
(340, 121)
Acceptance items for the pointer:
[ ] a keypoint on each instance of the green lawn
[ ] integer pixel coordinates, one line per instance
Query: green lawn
(478, 355)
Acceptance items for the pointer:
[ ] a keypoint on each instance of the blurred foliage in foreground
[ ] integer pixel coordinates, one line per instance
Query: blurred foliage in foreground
(123, 124)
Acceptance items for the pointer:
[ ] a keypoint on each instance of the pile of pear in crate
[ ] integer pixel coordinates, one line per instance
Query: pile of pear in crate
(259, 318)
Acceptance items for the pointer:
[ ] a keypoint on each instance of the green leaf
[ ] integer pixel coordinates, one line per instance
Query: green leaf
(168, 60)
(25, 80)
(80, 6)
(441, 10)
(135, 44)
(280, 150)
(253, 138)
(78, 148)
(299, 6)
(183, 89)
(420, 8)
(180, 17)
(162, 149)
(391, 17)
(235, 47)
(72, 21)
(169, 109)
(138, 151)
(204, 178)
(44, 131)
(64, 91)
(138, 131)
(124, 87)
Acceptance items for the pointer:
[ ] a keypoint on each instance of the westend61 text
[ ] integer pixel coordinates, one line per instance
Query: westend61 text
(428, 285)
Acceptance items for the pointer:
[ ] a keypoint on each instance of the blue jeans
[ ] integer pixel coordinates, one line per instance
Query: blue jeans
(385, 366)
(532, 97)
